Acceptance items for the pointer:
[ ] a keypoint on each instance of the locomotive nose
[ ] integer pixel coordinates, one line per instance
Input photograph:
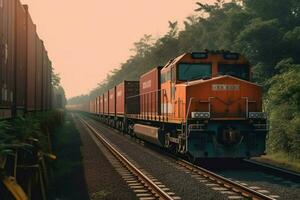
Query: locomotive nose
(229, 136)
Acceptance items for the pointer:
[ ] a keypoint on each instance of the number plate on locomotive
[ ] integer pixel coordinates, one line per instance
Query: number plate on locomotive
(225, 87)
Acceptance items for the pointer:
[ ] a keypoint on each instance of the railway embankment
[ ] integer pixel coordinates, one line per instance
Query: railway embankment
(68, 181)
(26, 155)
(280, 160)
(82, 171)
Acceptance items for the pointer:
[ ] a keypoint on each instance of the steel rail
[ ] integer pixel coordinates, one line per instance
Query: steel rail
(154, 188)
(220, 180)
(234, 186)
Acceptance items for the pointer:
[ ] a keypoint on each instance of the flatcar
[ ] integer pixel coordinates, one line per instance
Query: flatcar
(200, 104)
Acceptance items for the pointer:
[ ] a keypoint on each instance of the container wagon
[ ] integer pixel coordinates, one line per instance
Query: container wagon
(21, 59)
(7, 60)
(24, 64)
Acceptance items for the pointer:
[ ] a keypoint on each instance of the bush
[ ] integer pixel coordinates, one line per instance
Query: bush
(283, 104)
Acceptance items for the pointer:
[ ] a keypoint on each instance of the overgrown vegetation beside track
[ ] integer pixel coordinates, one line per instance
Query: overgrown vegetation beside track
(25, 151)
(281, 160)
(267, 32)
(68, 176)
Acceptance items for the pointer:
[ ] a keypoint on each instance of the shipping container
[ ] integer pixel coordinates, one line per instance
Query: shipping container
(127, 98)
(150, 92)
(45, 83)
(39, 73)
(106, 103)
(49, 85)
(112, 102)
(101, 104)
(7, 45)
(97, 105)
(31, 63)
(93, 106)
(21, 61)
(21, 53)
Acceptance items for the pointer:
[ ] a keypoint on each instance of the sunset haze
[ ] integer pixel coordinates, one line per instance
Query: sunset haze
(87, 39)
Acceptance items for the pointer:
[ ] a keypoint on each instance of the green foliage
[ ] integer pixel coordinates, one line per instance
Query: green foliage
(284, 108)
(18, 132)
(26, 127)
(5, 128)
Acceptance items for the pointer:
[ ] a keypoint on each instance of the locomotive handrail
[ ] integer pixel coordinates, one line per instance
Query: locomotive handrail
(144, 93)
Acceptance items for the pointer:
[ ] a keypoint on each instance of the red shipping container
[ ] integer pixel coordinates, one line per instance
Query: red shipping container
(106, 103)
(112, 101)
(97, 105)
(31, 63)
(101, 104)
(150, 92)
(21, 58)
(91, 106)
(127, 98)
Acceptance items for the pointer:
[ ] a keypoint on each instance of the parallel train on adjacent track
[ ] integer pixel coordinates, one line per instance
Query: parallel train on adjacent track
(25, 67)
(200, 104)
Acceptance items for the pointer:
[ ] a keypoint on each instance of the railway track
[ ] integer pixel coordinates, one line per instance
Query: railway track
(223, 182)
(145, 186)
(225, 185)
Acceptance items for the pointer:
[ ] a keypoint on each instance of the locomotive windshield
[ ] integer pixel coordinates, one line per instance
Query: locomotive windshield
(193, 71)
(237, 70)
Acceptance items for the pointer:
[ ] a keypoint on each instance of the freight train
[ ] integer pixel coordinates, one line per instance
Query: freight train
(25, 77)
(200, 104)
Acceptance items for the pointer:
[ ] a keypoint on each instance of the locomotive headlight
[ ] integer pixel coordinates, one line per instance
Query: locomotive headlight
(201, 115)
(257, 115)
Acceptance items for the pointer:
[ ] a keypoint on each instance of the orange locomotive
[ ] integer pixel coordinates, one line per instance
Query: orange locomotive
(202, 104)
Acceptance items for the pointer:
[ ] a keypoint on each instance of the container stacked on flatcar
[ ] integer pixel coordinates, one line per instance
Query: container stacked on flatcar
(21, 58)
(25, 78)
(106, 103)
(31, 63)
(101, 105)
(127, 98)
(112, 105)
(150, 93)
(39, 73)
(7, 34)
(115, 103)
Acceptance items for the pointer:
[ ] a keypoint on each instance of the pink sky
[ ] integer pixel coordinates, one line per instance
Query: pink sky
(87, 39)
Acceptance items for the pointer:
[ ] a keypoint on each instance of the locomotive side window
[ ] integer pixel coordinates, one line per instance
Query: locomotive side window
(194, 71)
(237, 70)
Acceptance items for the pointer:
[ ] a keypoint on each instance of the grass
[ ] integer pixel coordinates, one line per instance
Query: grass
(281, 160)
(68, 180)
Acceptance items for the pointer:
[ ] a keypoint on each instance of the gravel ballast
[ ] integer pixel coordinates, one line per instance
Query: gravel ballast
(268, 184)
(103, 181)
(162, 168)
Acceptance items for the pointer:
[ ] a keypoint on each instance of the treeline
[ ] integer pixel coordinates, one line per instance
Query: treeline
(79, 99)
(266, 32)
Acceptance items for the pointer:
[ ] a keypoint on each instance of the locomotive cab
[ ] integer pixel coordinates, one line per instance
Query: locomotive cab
(219, 108)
